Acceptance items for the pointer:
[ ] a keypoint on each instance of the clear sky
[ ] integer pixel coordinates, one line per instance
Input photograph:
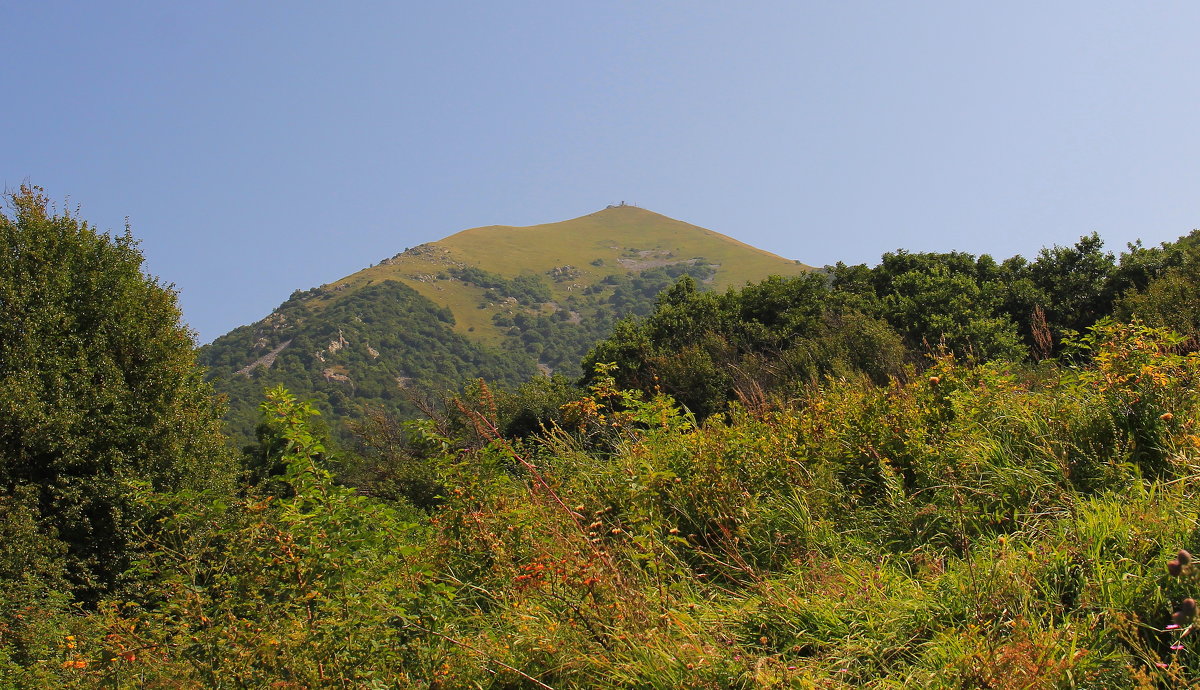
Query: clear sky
(258, 147)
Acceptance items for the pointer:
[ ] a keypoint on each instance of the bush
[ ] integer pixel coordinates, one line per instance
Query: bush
(98, 387)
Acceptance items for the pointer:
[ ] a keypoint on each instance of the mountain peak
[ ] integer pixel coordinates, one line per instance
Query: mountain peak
(495, 301)
(625, 208)
(627, 211)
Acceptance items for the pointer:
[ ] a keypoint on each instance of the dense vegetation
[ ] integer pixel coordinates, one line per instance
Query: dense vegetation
(99, 392)
(560, 342)
(335, 361)
(937, 472)
(387, 347)
(707, 349)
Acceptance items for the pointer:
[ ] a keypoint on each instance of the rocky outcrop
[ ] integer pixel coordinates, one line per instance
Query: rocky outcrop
(265, 361)
(338, 373)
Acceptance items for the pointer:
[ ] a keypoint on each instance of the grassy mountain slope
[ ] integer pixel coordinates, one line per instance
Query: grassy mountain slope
(616, 240)
(494, 302)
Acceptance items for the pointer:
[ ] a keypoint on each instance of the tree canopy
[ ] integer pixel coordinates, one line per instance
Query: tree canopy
(98, 385)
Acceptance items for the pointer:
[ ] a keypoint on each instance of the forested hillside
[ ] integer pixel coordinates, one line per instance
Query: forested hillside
(499, 303)
(942, 471)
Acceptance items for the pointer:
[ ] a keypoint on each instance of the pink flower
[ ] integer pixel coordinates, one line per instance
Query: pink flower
(1161, 665)
(1172, 626)
(1176, 647)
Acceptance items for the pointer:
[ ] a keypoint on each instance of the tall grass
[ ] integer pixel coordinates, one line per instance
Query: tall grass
(992, 526)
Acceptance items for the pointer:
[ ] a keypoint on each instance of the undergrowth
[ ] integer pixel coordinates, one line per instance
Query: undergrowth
(995, 526)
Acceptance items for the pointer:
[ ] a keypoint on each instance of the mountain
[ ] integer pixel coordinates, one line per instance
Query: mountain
(496, 302)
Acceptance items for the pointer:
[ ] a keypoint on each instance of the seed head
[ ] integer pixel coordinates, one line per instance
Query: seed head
(1166, 416)
(1184, 557)
(1174, 568)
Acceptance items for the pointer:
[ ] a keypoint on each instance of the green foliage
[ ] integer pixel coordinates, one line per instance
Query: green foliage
(493, 303)
(832, 519)
(994, 524)
(526, 289)
(1077, 282)
(369, 350)
(34, 591)
(1171, 299)
(318, 588)
(399, 462)
(382, 345)
(608, 414)
(952, 300)
(957, 309)
(534, 406)
(978, 308)
(749, 552)
(706, 349)
(981, 526)
(98, 387)
(1143, 378)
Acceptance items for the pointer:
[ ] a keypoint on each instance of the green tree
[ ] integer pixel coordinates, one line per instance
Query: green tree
(1078, 283)
(1171, 300)
(932, 299)
(98, 386)
(706, 349)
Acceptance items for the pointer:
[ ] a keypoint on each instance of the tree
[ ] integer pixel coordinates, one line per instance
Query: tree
(1171, 300)
(99, 390)
(706, 349)
(1078, 283)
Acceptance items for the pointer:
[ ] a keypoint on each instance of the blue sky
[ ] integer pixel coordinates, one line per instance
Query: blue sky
(258, 148)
